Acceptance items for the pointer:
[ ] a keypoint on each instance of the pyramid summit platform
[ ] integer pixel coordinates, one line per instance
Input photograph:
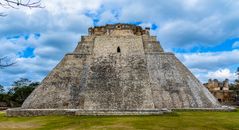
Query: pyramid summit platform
(117, 68)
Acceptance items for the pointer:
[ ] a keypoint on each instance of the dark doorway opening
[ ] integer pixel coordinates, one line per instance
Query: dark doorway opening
(118, 49)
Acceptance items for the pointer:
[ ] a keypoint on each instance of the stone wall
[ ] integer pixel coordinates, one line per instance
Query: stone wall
(61, 87)
(79, 112)
(173, 86)
(129, 45)
(217, 85)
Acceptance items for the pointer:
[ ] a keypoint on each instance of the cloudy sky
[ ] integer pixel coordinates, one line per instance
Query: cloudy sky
(204, 34)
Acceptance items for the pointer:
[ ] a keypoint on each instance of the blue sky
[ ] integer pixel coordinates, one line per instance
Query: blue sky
(204, 34)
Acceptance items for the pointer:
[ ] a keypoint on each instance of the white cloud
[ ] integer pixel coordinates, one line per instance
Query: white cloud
(72, 6)
(235, 44)
(107, 17)
(190, 4)
(222, 74)
(210, 60)
(33, 68)
(214, 65)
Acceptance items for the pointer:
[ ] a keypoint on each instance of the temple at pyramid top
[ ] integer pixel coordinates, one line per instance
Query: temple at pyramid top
(128, 38)
(125, 29)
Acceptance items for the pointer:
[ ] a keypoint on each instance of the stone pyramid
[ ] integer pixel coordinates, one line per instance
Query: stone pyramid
(119, 68)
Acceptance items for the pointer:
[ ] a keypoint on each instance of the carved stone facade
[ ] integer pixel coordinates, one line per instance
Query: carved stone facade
(221, 90)
(123, 29)
(119, 68)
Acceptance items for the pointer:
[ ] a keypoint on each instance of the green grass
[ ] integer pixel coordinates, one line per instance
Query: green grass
(178, 121)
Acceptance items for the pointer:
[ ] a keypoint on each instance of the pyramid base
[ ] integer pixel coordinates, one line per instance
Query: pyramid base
(79, 112)
(217, 109)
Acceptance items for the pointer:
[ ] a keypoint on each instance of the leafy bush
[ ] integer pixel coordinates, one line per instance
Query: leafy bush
(20, 90)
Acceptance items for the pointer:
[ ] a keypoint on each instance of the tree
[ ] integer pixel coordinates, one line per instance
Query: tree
(5, 62)
(237, 73)
(237, 80)
(19, 3)
(22, 82)
(1, 89)
(236, 85)
(20, 90)
(2, 15)
(21, 93)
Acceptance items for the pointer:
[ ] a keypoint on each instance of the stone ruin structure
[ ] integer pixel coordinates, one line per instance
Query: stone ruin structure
(3, 106)
(221, 91)
(117, 69)
(214, 85)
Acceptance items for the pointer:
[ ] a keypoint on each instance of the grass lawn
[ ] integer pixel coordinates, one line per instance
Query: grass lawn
(178, 121)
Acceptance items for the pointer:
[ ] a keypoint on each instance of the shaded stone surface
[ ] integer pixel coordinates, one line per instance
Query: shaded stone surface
(120, 67)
